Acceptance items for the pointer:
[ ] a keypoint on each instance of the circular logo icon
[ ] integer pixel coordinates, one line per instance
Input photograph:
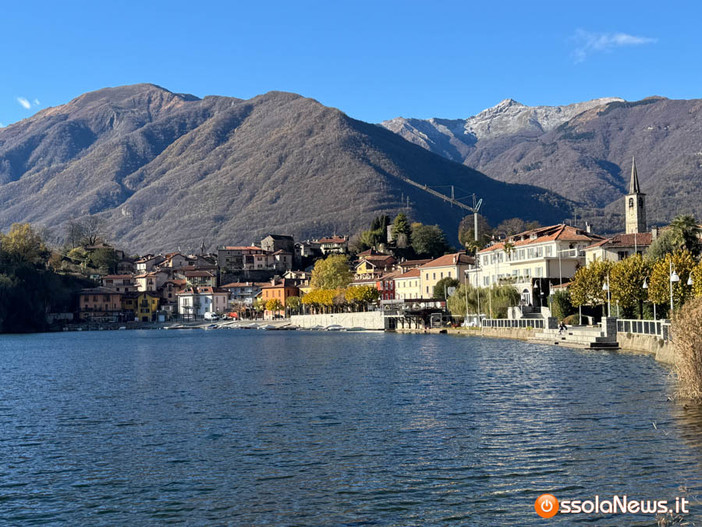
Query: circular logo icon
(546, 505)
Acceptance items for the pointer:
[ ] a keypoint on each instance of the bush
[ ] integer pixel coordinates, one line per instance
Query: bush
(687, 340)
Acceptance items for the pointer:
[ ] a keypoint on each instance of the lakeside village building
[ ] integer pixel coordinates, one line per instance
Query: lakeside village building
(187, 286)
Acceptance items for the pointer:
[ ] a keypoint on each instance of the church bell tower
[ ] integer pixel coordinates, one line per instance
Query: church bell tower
(635, 204)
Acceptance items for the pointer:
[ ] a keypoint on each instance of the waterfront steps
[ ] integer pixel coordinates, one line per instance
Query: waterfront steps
(580, 336)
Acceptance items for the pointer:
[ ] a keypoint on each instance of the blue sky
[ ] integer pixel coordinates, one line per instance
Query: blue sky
(372, 59)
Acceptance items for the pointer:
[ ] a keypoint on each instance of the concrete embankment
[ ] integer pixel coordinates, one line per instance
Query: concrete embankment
(663, 351)
(365, 320)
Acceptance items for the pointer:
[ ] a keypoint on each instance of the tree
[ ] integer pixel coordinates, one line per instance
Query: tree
(686, 233)
(93, 230)
(561, 305)
(659, 285)
(293, 303)
(428, 240)
(104, 260)
(74, 233)
(274, 305)
(22, 245)
(586, 288)
(331, 273)
(626, 282)
(510, 227)
(664, 244)
(361, 295)
(466, 230)
(442, 286)
(401, 231)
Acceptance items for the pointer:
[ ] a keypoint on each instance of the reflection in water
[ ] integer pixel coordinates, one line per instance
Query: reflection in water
(232, 427)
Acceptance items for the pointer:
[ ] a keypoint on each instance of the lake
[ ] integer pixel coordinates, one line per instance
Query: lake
(236, 427)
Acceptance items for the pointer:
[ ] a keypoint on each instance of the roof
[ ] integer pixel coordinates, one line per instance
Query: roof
(202, 290)
(378, 261)
(634, 187)
(117, 276)
(240, 248)
(560, 232)
(448, 260)
(99, 291)
(412, 273)
(279, 237)
(642, 239)
(371, 252)
(333, 239)
(414, 263)
(279, 283)
(281, 251)
(244, 284)
(198, 274)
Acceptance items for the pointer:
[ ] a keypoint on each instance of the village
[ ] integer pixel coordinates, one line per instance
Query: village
(527, 279)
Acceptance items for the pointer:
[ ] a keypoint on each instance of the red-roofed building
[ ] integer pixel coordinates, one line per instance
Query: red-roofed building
(408, 285)
(446, 266)
(333, 245)
(619, 247)
(544, 256)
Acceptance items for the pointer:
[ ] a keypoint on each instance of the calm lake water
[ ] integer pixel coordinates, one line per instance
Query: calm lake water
(299, 428)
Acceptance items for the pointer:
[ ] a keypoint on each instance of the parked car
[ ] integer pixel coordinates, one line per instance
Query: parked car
(211, 315)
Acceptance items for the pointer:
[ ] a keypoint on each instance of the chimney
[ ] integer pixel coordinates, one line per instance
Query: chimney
(654, 233)
(588, 228)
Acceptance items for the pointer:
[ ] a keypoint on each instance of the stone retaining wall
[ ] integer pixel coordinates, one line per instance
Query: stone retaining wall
(367, 320)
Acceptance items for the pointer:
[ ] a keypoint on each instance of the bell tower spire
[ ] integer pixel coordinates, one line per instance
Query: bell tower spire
(635, 204)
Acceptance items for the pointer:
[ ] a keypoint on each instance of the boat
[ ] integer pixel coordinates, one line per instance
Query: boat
(334, 327)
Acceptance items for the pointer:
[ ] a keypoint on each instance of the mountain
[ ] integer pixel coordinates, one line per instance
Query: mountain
(168, 170)
(582, 151)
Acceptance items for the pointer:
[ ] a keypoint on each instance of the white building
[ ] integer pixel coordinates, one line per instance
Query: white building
(533, 260)
(194, 302)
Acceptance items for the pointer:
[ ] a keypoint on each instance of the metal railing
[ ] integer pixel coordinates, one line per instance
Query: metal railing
(536, 323)
(658, 328)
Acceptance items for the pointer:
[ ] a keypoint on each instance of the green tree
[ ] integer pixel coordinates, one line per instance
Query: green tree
(442, 286)
(428, 240)
(293, 303)
(402, 231)
(104, 260)
(331, 273)
(664, 244)
(686, 233)
(561, 305)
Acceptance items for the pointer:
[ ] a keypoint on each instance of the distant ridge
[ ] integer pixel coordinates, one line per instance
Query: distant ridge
(169, 170)
(582, 151)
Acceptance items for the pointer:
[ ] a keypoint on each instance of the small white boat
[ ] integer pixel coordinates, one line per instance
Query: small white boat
(334, 327)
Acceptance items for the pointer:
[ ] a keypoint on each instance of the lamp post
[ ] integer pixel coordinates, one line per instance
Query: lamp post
(465, 283)
(605, 287)
(645, 286)
(673, 278)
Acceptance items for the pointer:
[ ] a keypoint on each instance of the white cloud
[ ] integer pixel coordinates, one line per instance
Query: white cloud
(24, 103)
(2, 125)
(588, 43)
(36, 102)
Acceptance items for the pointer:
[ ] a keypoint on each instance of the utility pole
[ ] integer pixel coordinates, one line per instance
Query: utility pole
(475, 220)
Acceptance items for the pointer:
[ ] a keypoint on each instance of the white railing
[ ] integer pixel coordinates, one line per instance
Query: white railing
(513, 323)
(658, 328)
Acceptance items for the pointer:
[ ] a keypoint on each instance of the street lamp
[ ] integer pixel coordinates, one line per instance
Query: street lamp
(689, 280)
(673, 278)
(645, 286)
(605, 287)
(466, 293)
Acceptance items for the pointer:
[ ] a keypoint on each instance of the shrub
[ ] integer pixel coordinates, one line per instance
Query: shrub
(687, 340)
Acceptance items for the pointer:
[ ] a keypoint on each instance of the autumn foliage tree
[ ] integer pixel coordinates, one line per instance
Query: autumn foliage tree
(586, 288)
(626, 282)
(682, 263)
(331, 273)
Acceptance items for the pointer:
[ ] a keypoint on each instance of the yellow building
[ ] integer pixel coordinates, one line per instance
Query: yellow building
(447, 266)
(408, 285)
(143, 305)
